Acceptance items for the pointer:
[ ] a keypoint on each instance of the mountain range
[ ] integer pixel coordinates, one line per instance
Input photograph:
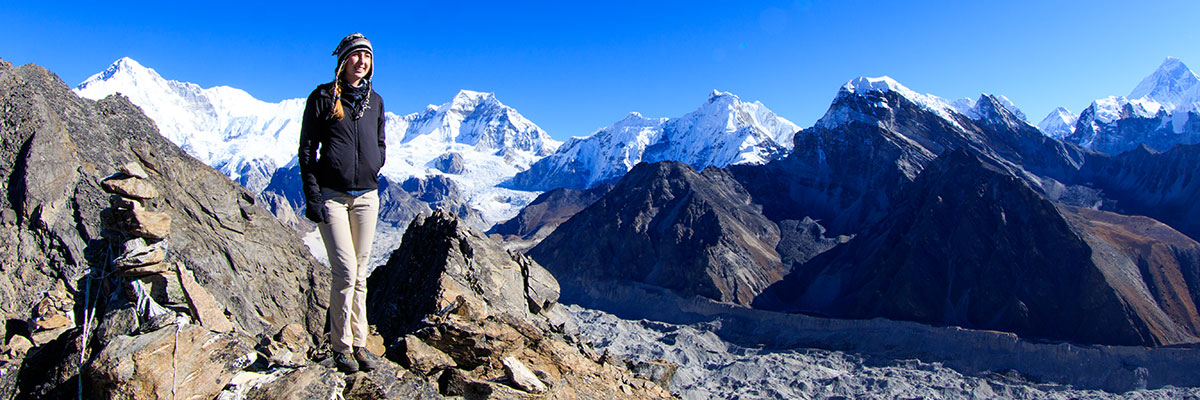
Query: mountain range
(960, 214)
(896, 206)
(1161, 111)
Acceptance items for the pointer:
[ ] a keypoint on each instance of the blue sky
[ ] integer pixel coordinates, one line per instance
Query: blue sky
(573, 67)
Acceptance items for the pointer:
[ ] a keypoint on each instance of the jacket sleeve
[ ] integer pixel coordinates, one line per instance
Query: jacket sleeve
(310, 140)
(382, 136)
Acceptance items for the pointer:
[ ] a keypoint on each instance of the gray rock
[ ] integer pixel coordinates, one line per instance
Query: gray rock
(135, 170)
(129, 186)
(165, 287)
(120, 319)
(313, 382)
(139, 222)
(145, 255)
(659, 371)
(438, 250)
(450, 163)
(519, 374)
(203, 306)
(423, 358)
(184, 362)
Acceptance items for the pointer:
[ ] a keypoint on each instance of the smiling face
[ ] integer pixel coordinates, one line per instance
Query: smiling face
(358, 66)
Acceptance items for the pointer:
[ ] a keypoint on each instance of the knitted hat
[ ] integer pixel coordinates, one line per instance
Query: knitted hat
(350, 44)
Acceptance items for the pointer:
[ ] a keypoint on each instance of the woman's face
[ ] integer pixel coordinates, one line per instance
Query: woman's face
(358, 64)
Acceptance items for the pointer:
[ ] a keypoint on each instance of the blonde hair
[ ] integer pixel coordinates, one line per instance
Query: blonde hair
(337, 112)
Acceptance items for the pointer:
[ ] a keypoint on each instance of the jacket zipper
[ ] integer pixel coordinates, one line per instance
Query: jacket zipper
(357, 155)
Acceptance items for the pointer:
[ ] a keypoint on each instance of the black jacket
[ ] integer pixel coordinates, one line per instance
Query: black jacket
(351, 151)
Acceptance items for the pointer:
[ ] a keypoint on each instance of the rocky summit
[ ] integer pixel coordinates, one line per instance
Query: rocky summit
(481, 322)
(972, 245)
(65, 230)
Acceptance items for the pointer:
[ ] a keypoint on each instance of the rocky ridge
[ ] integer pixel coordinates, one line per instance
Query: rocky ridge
(486, 321)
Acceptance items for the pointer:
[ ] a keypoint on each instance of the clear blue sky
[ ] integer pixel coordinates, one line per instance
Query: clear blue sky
(573, 67)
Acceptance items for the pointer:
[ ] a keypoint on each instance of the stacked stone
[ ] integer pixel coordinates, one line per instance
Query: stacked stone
(143, 235)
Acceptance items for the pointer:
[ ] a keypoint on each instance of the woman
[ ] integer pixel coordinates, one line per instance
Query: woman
(341, 152)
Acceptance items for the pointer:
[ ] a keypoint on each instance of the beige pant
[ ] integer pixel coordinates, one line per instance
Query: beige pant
(348, 236)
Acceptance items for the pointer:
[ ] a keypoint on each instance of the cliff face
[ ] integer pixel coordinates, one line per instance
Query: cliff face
(972, 245)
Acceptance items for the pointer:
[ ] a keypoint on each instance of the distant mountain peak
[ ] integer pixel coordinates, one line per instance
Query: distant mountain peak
(884, 83)
(717, 95)
(1059, 123)
(1168, 83)
(123, 66)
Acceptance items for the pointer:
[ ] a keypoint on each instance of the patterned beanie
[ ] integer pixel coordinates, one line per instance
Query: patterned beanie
(350, 44)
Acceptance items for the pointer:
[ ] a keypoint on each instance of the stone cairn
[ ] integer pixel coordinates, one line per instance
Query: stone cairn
(164, 292)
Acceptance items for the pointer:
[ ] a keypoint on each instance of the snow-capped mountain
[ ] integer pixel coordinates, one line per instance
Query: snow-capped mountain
(1162, 110)
(724, 131)
(1059, 123)
(243, 137)
(865, 86)
(248, 139)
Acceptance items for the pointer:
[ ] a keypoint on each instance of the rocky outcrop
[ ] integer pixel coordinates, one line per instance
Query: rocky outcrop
(972, 245)
(57, 150)
(182, 362)
(450, 163)
(58, 153)
(666, 225)
(544, 214)
(453, 306)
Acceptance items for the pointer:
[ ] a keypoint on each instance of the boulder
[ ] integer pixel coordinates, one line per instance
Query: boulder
(521, 376)
(659, 371)
(423, 358)
(130, 186)
(313, 382)
(138, 222)
(119, 320)
(142, 256)
(184, 362)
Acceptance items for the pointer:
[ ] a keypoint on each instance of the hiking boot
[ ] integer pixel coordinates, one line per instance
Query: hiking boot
(345, 362)
(366, 360)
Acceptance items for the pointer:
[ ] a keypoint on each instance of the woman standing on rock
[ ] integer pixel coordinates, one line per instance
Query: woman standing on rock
(341, 152)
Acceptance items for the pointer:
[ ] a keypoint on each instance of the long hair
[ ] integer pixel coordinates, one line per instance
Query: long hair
(337, 112)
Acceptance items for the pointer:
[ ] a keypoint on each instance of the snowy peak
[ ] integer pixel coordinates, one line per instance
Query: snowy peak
(223, 127)
(1172, 84)
(881, 84)
(477, 119)
(469, 99)
(1059, 123)
(724, 130)
(123, 66)
(873, 91)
